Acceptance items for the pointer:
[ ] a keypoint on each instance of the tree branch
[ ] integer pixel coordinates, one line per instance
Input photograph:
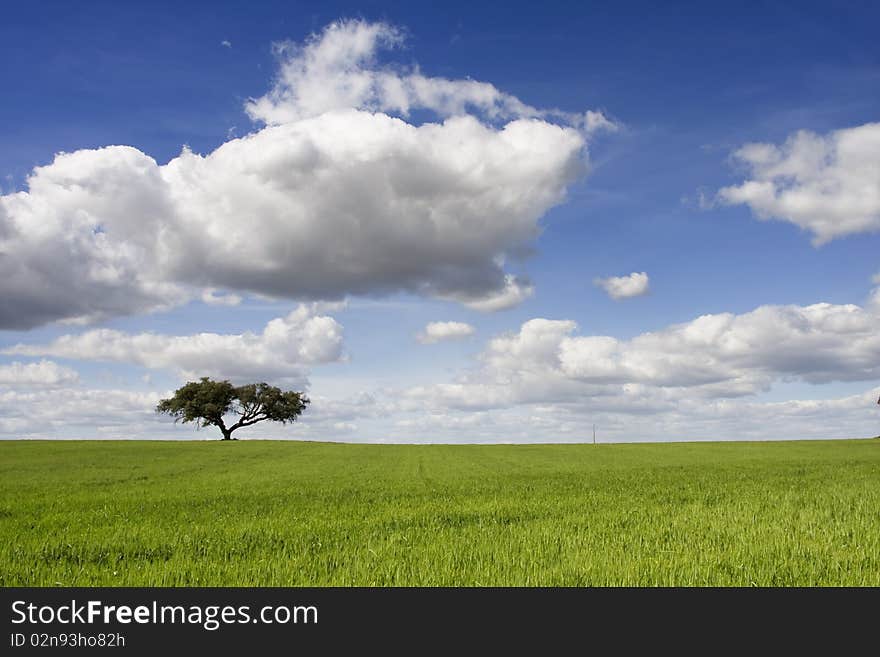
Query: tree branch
(250, 411)
(243, 423)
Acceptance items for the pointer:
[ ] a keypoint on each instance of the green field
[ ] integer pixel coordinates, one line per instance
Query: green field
(315, 514)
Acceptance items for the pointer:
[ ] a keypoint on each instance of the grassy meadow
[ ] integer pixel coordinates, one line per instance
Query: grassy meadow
(314, 514)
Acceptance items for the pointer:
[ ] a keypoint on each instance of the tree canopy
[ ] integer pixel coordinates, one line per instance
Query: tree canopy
(206, 402)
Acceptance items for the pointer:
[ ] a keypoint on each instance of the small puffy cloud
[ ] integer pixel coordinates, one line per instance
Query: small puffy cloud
(42, 373)
(283, 351)
(226, 43)
(440, 331)
(338, 195)
(625, 287)
(826, 184)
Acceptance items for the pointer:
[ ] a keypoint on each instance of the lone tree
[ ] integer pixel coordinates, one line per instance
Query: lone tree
(205, 402)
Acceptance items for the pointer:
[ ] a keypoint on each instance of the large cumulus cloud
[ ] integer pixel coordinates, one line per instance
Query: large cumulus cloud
(84, 241)
(339, 194)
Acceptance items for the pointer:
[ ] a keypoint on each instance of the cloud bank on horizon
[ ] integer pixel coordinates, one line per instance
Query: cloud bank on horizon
(340, 192)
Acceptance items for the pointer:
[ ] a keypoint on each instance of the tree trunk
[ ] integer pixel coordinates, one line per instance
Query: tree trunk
(227, 434)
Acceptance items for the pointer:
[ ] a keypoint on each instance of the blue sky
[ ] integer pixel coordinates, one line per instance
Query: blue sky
(682, 90)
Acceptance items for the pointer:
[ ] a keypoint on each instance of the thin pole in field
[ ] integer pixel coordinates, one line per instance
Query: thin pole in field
(594, 432)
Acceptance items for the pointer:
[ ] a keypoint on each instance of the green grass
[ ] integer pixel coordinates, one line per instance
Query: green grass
(313, 514)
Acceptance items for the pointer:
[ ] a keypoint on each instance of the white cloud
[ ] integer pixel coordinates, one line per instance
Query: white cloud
(333, 198)
(282, 352)
(226, 43)
(119, 414)
(440, 331)
(88, 413)
(338, 68)
(351, 202)
(712, 357)
(817, 343)
(598, 122)
(828, 185)
(625, 287)
(80, 413)
(83, 241)
(42, 373)
(853, 416)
